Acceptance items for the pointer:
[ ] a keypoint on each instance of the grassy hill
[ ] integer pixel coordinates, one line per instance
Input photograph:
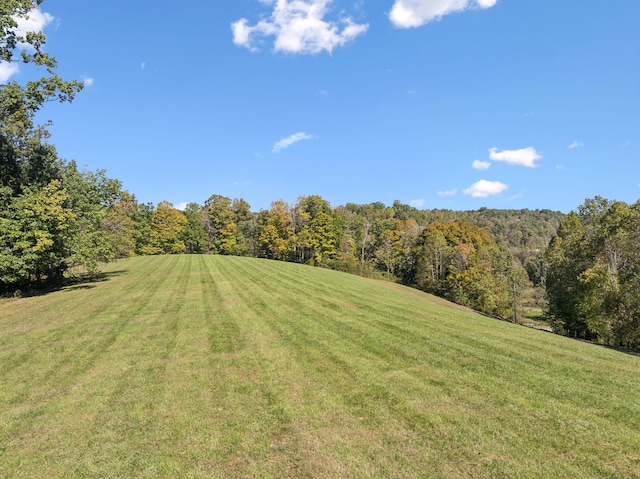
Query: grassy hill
(209, 366)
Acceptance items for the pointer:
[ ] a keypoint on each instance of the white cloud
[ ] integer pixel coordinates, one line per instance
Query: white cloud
(34, 21)
(523, 157)
(181, 206)
(414, 13)
(290, 140)
(417, 203)
(88, 81)
(298, 27)
(481, 165)
(484, 188)
(7, 70)
(576, 144)
(448, 192)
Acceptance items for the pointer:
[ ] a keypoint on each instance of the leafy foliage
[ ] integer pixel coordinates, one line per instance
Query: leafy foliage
(460, 261)
(167, 227)
(32, 235)
(50, 212)
(594, 273)
(226, 222)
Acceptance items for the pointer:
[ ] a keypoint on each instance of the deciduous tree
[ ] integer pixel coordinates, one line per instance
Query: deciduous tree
(194, 235)
(594, 273)
(275, 232)
(32, 246)
(167, 225)
(461, 262)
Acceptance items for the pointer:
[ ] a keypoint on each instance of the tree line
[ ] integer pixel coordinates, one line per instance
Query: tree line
(593, 273)
(70, 221)
(58, 221)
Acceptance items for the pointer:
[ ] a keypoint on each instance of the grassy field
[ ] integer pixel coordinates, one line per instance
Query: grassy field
(208, 366)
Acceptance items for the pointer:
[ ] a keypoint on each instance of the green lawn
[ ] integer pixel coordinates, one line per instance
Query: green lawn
(209, 366)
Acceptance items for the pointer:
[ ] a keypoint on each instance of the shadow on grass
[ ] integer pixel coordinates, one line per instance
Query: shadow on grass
(80, 281)
(88, 281)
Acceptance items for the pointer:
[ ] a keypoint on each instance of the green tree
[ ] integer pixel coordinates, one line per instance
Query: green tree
(433, 257)
(90, 195)
(316, 232)
(536, 268)
(119, 226)
(142, 217)
(25, 157)
(460, 261)
(348, 224)
(167, 226)
(245, 222)
(194, 235)
(594, 273)
(32, 236)
(227, 222)
(37, 233)
(274, 232)
(394, 245)
(220, 225)
(371, 220)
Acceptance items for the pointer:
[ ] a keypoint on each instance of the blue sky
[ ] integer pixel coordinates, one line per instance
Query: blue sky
(456, 104)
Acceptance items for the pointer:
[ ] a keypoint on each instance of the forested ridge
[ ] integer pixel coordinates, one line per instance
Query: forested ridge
(80, 219)
(57, 221)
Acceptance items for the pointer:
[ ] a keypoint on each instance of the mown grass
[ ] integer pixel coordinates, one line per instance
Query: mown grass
(207, 366)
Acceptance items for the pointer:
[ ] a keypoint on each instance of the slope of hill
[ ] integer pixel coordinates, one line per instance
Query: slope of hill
(211, 366)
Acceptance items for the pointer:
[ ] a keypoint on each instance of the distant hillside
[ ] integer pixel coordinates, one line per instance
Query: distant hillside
(223, 366)
(523, 231)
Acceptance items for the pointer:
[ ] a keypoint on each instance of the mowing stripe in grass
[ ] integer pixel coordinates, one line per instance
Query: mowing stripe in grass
(63, 353)
(507, 363)
(208, 366)
(331, 367)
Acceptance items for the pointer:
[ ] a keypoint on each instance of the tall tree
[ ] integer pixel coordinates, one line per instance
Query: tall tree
(142, 217)
(90, 195)
(567, 258)
(194, 235)
(316, 232)
(32, 233)
(460, 261)
(226, 221)
(245, 222)
(119, 226)
(34, 201)
(594, 273)
(433, 256)
(275, 232)
(25, 157)
(167, 226)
